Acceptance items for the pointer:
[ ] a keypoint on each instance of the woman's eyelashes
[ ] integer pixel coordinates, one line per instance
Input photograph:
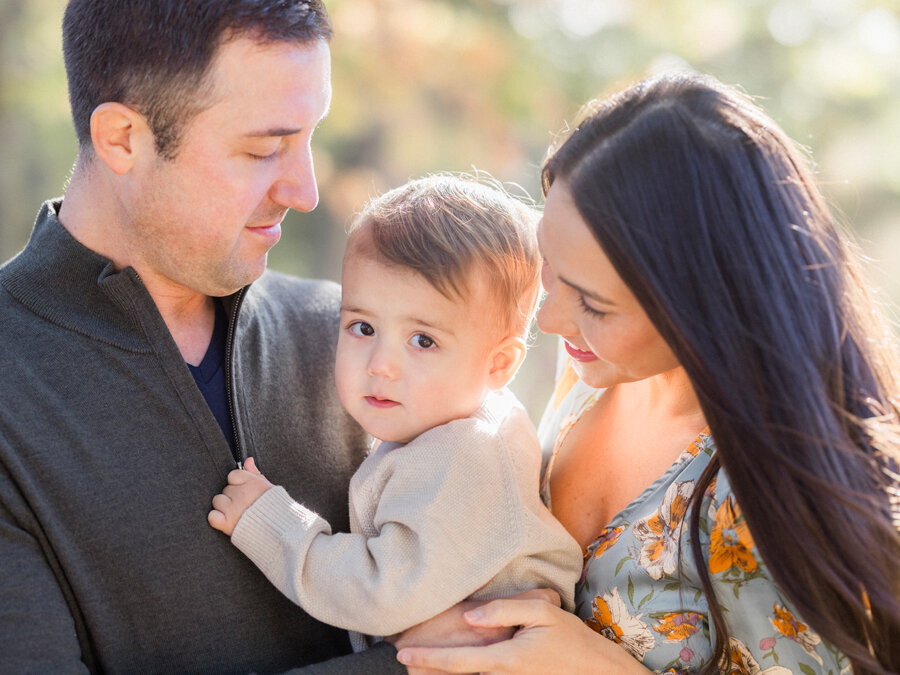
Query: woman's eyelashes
(596, 313)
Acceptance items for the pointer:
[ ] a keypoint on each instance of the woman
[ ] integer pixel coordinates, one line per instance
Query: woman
(723, 438)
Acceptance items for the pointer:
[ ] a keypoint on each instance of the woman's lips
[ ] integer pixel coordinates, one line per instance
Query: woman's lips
(578, 354)
(381, 402)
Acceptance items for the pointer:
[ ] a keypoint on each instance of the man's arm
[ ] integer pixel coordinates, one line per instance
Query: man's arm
(37, 628)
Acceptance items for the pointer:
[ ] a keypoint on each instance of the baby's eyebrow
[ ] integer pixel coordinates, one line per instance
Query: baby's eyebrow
(355, 310)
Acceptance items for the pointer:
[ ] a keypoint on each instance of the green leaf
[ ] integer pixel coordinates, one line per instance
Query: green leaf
(622, 562)
(806, 669)
(645, 599)
(674, 586)
(630, 591)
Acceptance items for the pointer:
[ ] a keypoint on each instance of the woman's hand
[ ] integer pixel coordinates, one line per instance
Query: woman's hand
(548, 640)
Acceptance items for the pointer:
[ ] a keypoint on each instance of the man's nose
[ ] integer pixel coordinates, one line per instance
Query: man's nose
(296, 186)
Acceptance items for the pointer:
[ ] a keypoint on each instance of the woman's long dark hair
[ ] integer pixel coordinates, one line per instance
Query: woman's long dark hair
(711, 217)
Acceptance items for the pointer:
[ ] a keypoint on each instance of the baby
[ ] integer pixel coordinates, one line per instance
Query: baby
(440, 281)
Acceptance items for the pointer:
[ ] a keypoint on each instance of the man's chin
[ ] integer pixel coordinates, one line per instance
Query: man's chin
(231, 283)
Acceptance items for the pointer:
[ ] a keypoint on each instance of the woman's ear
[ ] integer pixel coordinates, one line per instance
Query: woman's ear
(118, 133)
(505, 361)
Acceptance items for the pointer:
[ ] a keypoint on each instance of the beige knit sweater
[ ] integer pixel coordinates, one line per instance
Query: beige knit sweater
(453, 514)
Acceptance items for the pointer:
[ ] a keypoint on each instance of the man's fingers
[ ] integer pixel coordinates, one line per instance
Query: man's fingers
(454, 659)
(546, 594)
(511, 612)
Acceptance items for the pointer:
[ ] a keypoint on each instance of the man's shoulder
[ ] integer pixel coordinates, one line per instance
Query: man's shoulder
(308, 294)
(281, 304)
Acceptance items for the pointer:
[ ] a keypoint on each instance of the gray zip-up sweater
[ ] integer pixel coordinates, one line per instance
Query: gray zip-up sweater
(109, 457)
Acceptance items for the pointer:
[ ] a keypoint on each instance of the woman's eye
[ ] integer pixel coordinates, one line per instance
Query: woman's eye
(596, 313)
(362, 329)
(421, 341)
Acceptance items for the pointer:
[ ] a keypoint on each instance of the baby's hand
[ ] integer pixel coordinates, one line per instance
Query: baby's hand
(244, 487)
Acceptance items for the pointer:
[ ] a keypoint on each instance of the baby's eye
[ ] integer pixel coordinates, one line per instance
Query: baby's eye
(361, 328)
(421, 341)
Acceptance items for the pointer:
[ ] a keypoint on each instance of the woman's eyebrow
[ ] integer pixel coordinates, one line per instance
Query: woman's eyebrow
(590, 294)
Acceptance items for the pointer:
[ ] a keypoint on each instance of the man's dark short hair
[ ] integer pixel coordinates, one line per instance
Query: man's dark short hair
(155, 55)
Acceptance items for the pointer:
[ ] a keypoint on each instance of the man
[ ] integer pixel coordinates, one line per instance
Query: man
(139, 367)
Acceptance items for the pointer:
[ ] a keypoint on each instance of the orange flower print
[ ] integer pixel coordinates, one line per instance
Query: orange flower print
(612, 620)
(703, 443)
(608, 537)
(730, 542)
(658, 533)
(679, 626)
(564, 384)
(740, 660)
(793, 629)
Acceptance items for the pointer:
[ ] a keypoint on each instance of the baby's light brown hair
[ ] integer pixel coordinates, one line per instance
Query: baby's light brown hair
(458, 231)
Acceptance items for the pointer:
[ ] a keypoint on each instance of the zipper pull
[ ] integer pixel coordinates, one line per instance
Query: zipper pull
(239, 465)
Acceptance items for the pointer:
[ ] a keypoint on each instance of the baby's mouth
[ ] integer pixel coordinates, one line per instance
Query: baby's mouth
(378, 402)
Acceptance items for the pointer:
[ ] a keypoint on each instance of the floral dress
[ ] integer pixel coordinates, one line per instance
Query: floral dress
(634, 592)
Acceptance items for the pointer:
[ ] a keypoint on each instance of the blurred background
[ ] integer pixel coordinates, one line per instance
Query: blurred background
(466, 85)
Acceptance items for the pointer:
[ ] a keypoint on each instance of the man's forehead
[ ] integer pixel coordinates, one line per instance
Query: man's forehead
(279, 89)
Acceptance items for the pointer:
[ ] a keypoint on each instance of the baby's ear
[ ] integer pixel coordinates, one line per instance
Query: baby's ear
(505, 361)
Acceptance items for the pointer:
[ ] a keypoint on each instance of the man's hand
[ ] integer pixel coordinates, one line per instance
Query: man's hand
(244, 487)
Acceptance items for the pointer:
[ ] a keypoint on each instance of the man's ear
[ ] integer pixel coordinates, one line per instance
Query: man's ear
(505, 361)
(118, 133)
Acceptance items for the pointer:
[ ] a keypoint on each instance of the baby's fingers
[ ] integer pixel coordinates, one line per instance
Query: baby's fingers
(218, 521)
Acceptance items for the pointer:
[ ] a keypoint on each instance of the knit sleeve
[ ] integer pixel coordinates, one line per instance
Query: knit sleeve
(446, 522)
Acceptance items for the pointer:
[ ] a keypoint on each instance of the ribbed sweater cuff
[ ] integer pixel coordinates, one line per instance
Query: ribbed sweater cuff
(271, 519)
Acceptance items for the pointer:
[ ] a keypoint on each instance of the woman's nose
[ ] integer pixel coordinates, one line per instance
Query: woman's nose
(552, 316)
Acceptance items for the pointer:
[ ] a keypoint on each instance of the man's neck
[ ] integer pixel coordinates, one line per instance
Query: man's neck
(189, 316)
(92, 216)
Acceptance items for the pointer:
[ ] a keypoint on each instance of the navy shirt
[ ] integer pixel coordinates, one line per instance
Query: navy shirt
(210, 375)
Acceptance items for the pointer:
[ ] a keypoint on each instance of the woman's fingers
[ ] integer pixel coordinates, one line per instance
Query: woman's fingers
(454, 659)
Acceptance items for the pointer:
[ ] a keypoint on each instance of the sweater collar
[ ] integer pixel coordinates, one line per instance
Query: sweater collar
(62, 281)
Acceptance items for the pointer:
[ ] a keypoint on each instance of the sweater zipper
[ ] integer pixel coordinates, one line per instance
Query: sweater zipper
(238, 452)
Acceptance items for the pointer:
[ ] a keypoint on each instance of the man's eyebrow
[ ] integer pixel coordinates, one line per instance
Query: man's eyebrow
(282, 131)
(590, 294)
(267, 133)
